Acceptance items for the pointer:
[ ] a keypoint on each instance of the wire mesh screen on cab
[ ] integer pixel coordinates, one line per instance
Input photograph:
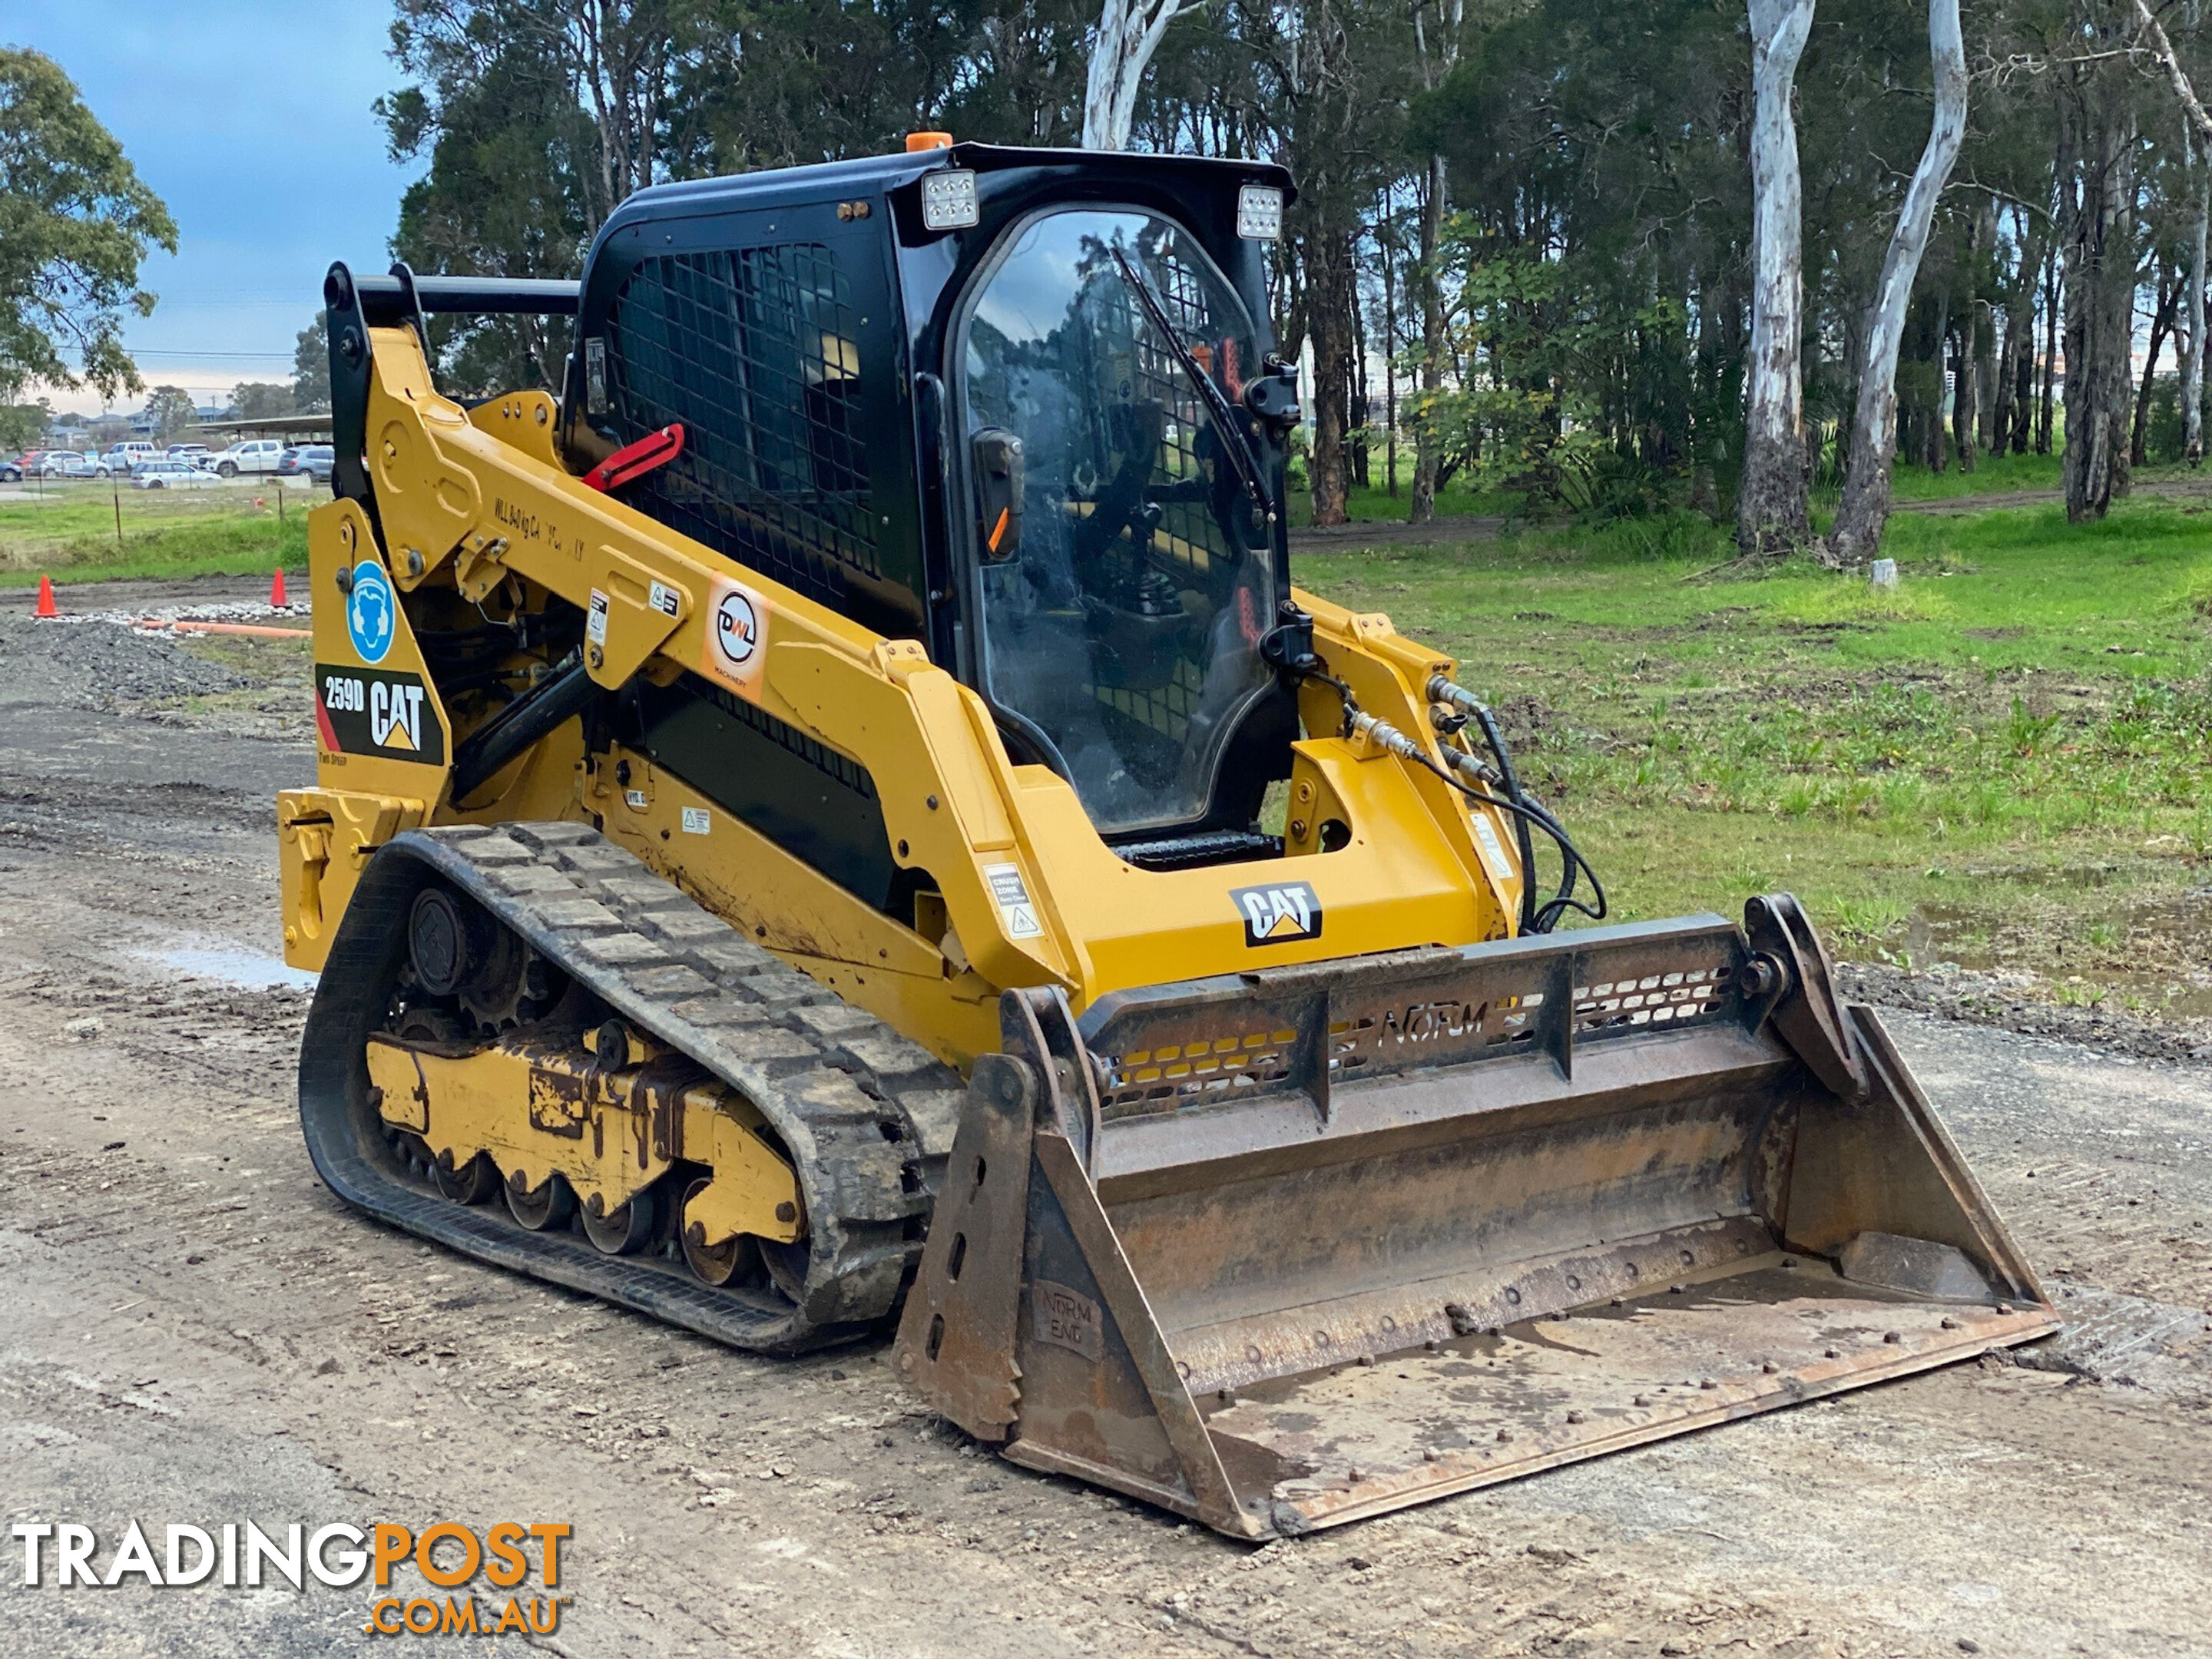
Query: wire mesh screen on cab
(756, 351)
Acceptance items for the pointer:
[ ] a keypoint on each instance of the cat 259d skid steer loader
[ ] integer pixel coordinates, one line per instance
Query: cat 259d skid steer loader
(793, 843)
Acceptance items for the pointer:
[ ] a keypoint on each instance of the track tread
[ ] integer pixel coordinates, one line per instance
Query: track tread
(865, 1113)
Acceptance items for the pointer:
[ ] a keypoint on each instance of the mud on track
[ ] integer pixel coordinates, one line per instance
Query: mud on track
(191, 1329)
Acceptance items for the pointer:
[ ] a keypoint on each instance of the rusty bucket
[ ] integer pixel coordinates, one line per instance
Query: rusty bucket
(1281, 1249)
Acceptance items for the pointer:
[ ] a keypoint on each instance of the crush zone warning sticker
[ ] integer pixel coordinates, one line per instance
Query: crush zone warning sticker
(1013, 898)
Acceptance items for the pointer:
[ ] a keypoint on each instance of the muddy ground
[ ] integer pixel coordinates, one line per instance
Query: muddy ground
(191, 1329)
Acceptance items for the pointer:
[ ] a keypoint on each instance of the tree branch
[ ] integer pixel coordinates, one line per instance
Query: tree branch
(2162, 50)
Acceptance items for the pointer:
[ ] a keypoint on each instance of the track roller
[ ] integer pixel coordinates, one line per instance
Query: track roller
(626, 1229)
(547, 1208)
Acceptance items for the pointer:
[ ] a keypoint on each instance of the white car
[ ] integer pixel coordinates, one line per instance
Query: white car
(173, 475)
(255, 455)
(126, 457)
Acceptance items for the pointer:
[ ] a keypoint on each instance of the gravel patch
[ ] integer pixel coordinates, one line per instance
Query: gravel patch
(2009, 1002)
(97, 665)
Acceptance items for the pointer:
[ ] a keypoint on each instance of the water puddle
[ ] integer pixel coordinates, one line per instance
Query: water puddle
(2149, 956)
(247, 968)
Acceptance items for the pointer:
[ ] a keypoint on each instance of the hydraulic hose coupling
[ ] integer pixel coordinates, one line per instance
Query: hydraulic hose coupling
(1450, 706)
(1460, 760)
(1365, 727)
(1444, 689)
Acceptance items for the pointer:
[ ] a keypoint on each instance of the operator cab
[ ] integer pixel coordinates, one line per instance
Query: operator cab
(1018, 404)
(1124, 546)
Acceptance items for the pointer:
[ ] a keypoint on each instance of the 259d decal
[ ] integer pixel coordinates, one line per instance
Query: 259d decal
(367, 712)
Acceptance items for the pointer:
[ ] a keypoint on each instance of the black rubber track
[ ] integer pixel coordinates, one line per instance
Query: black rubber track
(867, 1115)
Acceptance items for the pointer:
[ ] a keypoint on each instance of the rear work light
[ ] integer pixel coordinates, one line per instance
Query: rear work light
(948, 200)
(1260, 213)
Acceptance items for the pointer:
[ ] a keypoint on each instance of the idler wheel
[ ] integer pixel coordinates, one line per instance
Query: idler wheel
(449, 940)
(717, 1264)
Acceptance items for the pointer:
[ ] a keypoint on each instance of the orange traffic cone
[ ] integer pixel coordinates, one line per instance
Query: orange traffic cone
(276, 594)
(47, 598)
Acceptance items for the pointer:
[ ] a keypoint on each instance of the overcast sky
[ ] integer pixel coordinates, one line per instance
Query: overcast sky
(251, 121)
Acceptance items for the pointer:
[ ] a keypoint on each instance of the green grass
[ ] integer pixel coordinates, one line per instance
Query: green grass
(2006, 762)
(1992, 475)
(1373, 503)
(71, 534)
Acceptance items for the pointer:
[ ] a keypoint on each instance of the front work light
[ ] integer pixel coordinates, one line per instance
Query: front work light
(1260, 213)
(948, 199)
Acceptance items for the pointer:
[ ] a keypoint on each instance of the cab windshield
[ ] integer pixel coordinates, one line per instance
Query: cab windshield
(1123, 631)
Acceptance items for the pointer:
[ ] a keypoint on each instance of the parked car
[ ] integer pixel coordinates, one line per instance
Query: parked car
(68, 463)
(188, 452)
(165, 474)
(255, 455)
(312, 461)
(23, 467)
(122, 457)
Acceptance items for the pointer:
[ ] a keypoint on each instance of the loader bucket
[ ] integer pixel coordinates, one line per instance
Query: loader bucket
(1281, 1249)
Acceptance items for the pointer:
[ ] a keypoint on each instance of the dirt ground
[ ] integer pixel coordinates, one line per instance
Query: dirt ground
(192, 1329)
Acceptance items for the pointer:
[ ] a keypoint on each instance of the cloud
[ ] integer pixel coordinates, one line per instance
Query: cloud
(253, 122)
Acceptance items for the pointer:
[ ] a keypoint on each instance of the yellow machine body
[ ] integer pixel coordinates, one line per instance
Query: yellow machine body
(1274, 1186)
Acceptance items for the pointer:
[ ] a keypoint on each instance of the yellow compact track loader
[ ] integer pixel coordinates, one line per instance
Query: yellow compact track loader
(841, 817)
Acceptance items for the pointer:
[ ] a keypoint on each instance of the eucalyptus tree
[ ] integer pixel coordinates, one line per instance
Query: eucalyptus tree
(1439, 32)
(2100, 188)
(1773, 512)
(1129, 33)
(1868, 483)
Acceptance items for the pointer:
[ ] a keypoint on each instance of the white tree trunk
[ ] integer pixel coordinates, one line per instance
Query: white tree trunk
(1865, 509)
(2192, 310)
(1771, 504)
(1438, 60)
(1129, 33)
(2196, 134)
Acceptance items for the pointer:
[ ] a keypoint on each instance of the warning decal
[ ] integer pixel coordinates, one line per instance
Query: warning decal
(1012, 897)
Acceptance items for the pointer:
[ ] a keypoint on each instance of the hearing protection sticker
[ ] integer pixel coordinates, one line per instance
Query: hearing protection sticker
(371, 712)
(1012, 897)
(737, 637)
(1278, 913)
(370, 611)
